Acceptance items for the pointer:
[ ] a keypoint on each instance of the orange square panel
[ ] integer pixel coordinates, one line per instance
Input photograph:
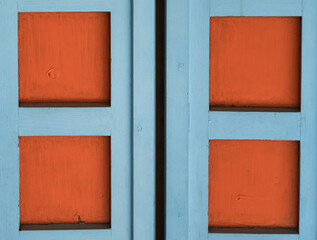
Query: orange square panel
(255, 61)
(64, 180)
(253, 183)
(64, 57)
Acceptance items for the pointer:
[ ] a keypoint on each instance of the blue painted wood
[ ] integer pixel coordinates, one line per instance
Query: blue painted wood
(9, 152)
(227, 236)
(187, 115)
(121, 131)
(256, 7)
(115, 121)
(144, 119)
(66, 235)
(198, 147)
(177, 119)
(64, 6)
(308, 149)
(254, 125)
(65, 121)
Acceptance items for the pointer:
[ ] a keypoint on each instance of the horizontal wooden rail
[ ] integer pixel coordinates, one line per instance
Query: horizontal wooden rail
(64, 6)
(254, 125)
(230, 236)
(256, 7)
(65, 121)
(97, 234)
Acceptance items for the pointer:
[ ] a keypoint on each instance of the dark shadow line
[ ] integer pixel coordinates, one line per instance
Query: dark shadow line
(30, 227)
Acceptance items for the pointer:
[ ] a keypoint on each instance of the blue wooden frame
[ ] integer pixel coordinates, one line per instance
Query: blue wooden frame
(144, 119)
(190, 124)
(115, 121)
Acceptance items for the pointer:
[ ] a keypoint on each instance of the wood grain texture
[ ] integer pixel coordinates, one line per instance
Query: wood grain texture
(64, 180)
(253, 183)
(64, 57)
(255, 61)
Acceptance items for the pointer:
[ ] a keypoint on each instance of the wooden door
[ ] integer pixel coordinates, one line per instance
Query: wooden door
(241, 120)
(72, 129)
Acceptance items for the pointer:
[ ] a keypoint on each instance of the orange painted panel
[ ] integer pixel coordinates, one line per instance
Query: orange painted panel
(64, 180)
(253, 183)
(64, 57)
(255, 61)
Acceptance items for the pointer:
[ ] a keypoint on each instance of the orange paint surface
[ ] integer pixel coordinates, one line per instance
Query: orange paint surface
(253, 183)
(64, 57)
(255, 61)
(64, 180)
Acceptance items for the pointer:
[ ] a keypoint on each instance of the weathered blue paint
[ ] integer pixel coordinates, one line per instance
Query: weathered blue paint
(189, 123)
(144, 119)
(115, 121)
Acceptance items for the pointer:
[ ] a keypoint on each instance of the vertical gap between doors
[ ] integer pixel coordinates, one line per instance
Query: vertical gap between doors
(160, 119)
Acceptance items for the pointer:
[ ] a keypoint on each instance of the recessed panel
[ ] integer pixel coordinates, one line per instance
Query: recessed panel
(64, 57)
(64, 180)
(255, 62)
(253, 183)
